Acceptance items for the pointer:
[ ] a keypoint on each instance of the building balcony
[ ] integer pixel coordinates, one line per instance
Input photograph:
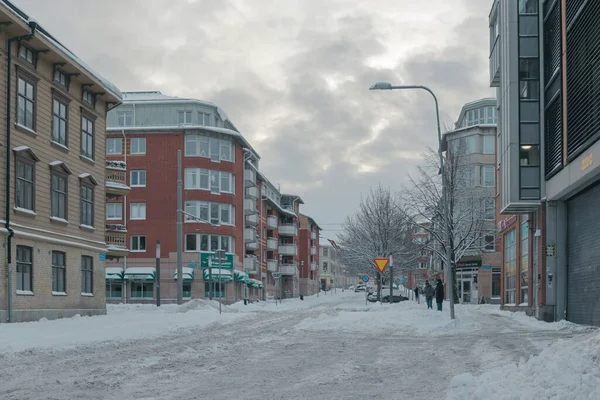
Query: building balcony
(272, 222)
(250, 206)
(115, 179)
(250, 235)
(272, 265)
(313, 266)
(252, 192)
(313, 251)
(252, 246)
(495, 63)
(115, 237)
(288, 230)
(313, 235)
(250, 264)
(252, 219)
(250, 177)
(271, 244)
(288, 269)
(288, 250)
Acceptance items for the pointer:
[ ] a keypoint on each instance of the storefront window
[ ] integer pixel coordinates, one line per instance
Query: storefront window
(510, 266)
(114, 290)
(524, 263)
(187, 290)
(142, 290)
(218, 290)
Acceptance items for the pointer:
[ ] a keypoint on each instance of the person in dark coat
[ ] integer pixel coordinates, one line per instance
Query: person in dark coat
(416, 293)
(439, 294)
(429, 292)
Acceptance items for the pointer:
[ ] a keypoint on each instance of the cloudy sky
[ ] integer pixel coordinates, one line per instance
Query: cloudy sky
(293, 76)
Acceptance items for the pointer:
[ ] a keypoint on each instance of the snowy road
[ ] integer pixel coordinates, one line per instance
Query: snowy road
(326, 348)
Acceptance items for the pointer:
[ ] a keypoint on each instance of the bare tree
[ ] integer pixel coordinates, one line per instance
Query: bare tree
(377, 229)
(468, 207)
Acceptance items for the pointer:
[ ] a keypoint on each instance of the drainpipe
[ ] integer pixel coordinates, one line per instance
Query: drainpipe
(32, 25)
(124, 147)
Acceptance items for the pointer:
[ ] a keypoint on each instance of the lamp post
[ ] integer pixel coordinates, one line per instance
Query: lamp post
(389, 86)
(158, 273)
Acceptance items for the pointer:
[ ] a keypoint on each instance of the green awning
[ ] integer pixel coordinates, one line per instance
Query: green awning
(255, 284)
(114, 273)
(224, 274)
(239, 276)
(140, 274)
(188, 274)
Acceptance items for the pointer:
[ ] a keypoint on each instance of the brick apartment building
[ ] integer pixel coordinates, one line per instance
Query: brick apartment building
(228, 203)
(53, 174)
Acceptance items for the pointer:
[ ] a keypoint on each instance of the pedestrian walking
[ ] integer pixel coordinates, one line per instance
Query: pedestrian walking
(429, 292)
(417, 294)
(439, 294)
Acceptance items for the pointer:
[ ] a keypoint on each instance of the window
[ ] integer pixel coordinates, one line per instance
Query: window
(87, 137)
(489, 143)
(87, 274)
(59, 122)
(524, 281)
(59, 195)
(529, 155)
(209, 147)
(187, 290)
(205, 119)
(88, 97)
(59, 279)
(25, 192)
(124, 118)
(496, 276)
(226, 214)
(325, 252)
(489, 208)
(226, 153)
(184, 117)
(198, 209)
(25, 53)
(61, 78)
(138, 178)
(510, 266)
(138, 243)
(325, 265)
(206, 179)
(490, 242)
(487, 174)
(24, 268)
(114, 211)
(473, 145)
(138, 146)
(87, 205)
(138, 210)
(218, 289)
(528, 6)
(114, 290)
(114, 146)
(26, 104)
(142, 290)
(202, 242)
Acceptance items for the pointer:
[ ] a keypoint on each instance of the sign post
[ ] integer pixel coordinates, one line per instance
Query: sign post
(276, 276)
(220, 257)
(365, 280)
(382, 264)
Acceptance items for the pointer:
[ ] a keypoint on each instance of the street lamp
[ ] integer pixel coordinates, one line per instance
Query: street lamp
(389, 86)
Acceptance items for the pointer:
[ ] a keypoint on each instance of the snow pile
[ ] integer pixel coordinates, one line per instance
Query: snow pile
(122, 322)
(568, 369)
(532, 322)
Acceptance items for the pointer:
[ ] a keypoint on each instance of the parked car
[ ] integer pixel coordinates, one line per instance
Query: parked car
(360, 288)
(385, 297)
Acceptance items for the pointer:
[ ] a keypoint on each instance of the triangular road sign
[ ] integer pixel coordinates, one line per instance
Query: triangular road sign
(382, 263)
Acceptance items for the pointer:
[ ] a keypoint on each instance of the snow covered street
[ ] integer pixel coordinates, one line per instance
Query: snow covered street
(331, 347)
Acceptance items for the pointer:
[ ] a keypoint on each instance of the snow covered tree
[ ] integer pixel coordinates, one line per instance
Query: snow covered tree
(470, 206)
(377, 229)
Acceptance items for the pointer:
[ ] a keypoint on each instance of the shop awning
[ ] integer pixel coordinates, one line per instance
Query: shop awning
(256, 284)
(140, 273)
(239, 276)
(224, 274)
(114, 274)
(187, 272)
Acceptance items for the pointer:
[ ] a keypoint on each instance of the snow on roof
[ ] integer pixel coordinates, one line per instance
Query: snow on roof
(60, 163)
(140, 271)
(293, 196)
(152, 96)
(113, 270)
(219, 271)
(110, 87)
(116, 185)
(20, 149)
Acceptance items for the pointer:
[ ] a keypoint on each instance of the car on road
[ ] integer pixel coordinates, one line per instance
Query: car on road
(385, 297)
(360, 288)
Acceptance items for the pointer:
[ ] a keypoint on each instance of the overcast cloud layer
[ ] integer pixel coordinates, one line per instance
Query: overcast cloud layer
(293, 75)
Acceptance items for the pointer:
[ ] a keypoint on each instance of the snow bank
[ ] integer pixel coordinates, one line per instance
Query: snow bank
(122, 322)
(569, 369)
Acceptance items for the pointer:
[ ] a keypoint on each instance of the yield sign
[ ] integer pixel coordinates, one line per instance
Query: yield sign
(382, 263)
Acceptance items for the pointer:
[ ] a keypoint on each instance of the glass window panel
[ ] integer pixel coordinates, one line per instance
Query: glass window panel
(528, 6)
(214, 242)
(529, 68)
(530, 111)
(528, 25)
(530, 177)
(529, 155)
(214, 149)
(528, 47)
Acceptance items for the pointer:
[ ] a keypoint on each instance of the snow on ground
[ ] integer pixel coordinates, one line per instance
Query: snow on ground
(334, 346)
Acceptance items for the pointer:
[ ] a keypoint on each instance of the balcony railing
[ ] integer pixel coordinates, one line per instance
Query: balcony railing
(271, 244)
(250, 206)
(313, 266)
(313, 235)
(288, 230)
(250, 264)
(115, 237)
(250, 177)
(249, 235)
(495, 63)
(252, 246)
(288, 250)
(288, 269)
(272, 222)
(272, 265)
(252, 219)
(313, 251)
(252, 192)
(115, 179)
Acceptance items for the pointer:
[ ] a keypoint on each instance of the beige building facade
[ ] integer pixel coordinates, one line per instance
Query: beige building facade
(52, 172)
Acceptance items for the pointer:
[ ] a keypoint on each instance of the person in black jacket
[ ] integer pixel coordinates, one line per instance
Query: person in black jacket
(439, 294)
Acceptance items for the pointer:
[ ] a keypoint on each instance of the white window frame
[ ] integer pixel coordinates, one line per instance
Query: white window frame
(111, 215)
(138, 172)
(187, 117)
(483, 175)
(137, 145)
(201, 146)
(124, 118)
(137, 211)
(230, 247)
(489, 140)
(194, 207)
(112, 148)
(136, 238)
